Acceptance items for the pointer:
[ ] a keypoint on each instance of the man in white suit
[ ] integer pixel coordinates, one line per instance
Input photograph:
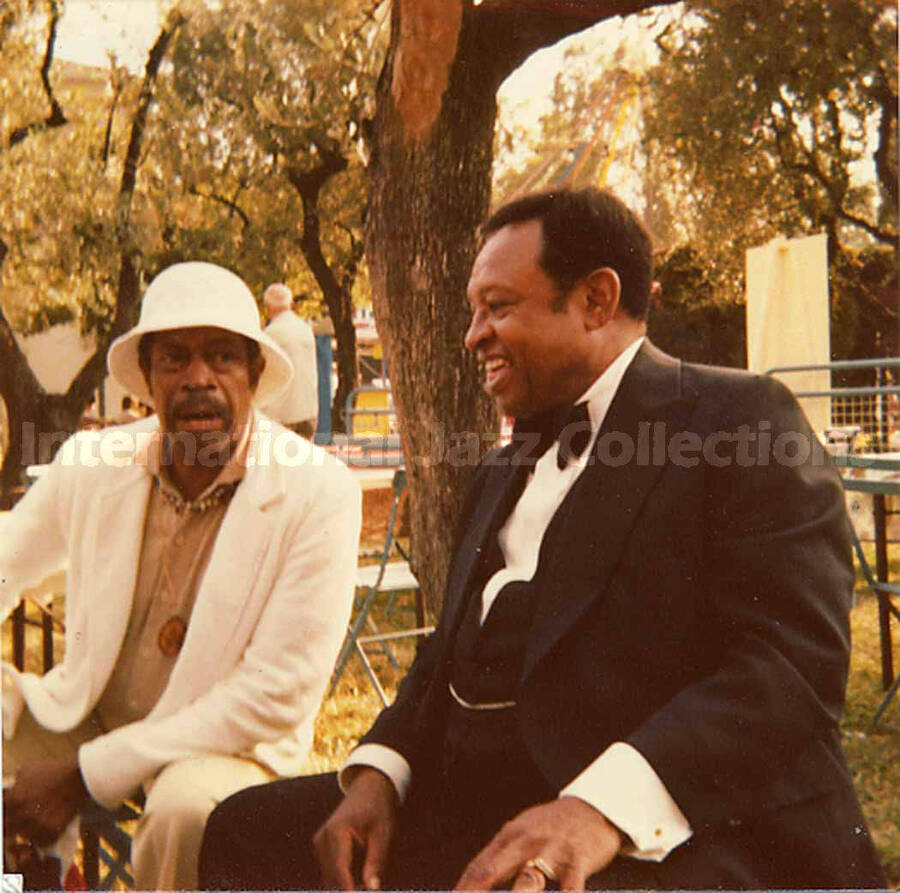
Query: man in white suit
(210, 557)
(298, 406)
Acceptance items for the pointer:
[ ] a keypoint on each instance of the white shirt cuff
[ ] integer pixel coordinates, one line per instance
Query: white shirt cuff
(622, 785)
(382, 758)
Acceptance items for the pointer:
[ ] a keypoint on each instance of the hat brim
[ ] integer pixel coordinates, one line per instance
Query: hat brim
(123, 362)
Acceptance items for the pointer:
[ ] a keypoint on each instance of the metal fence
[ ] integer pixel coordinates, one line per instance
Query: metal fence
(864, 401)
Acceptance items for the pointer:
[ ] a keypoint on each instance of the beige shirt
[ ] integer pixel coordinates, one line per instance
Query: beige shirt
(175, 551)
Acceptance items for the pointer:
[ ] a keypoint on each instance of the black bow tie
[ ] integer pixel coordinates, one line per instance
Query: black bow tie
(570, 425)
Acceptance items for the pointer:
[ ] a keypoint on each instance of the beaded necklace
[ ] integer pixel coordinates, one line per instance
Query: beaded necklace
(219, 495)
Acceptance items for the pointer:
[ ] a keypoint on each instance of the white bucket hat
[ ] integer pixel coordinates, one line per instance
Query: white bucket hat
(198, 294)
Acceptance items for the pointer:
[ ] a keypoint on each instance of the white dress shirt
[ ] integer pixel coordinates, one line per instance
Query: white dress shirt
(620, 783)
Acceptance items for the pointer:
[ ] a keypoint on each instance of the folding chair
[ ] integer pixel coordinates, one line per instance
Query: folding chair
(385, 577)
(103, 841)
(19, 621)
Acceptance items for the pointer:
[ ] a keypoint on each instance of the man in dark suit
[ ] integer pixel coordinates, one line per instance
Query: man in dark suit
(641, 660)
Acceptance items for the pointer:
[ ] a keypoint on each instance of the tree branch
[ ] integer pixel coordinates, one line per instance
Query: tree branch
(586, 10)
(335, 293)
(139, 122)
(310, 182)
(14, 367)
(836, 169)
(877, 232)
(885, 159)
(118, 86)
(835, 192)
(56, 118)
(514, 29)
(356, 245)
(128, 287)
(230, 203)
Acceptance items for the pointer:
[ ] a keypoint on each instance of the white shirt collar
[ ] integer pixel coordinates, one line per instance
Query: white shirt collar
(600, 394)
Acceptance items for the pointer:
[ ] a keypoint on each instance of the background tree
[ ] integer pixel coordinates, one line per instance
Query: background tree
(255, 164)
(717, 175)
(430, 179)
(266, 152)
(70, 241)
(774, 117)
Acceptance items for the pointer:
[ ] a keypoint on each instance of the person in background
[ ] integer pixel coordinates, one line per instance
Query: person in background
(297, 407)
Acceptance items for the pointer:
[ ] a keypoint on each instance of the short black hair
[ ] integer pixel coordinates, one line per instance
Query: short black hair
(584, 230)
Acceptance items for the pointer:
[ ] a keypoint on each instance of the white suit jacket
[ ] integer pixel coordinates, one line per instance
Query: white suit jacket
(300, 401)
(269, 617)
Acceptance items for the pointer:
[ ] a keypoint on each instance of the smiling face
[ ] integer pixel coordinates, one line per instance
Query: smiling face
(202, 382)
(533, 343)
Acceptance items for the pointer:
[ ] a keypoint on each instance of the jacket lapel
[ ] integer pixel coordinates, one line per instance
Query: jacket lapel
(501, 489)
(586, 536)
(113, 535)
(225, 592)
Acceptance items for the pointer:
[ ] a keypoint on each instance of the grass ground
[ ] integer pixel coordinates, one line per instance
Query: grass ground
(873, 754)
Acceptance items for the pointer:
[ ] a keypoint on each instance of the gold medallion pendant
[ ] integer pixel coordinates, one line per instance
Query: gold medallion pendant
(171, 636)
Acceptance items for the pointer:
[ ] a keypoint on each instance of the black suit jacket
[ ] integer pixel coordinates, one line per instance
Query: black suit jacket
(696, 607)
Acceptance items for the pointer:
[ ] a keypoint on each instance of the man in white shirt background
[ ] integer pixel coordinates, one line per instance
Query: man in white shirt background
(640, 664)
(297, 407)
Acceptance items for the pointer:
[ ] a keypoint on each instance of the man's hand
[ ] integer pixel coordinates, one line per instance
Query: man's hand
(570, 836)
(44, 799)
(366, 819)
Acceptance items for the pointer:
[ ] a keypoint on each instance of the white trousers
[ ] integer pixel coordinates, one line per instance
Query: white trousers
(167, 839)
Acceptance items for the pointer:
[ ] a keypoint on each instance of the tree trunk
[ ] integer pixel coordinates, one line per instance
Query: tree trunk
(18, 389)
(341, 313)
(427, 199)
(430, 185)
(38, 421)
(335, 293)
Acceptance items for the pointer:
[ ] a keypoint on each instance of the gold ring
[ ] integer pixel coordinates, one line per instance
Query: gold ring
(540, 863)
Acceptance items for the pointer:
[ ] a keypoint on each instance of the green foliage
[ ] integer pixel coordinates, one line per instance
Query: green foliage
(771, 105)
(690, 319)
(57, 205)
(22, 34)
(864, 288)
(773, 117)
(227, 133)
(700, 314)
(760, 118)
(247, 90)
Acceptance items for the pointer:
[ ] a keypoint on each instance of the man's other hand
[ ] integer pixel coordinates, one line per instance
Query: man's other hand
(571, 838)
(44, 799)
(365, 821)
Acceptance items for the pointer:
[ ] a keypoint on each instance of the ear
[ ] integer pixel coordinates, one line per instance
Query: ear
(602, 290)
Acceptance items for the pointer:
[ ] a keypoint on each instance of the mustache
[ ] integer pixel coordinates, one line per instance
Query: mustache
(192, 404)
